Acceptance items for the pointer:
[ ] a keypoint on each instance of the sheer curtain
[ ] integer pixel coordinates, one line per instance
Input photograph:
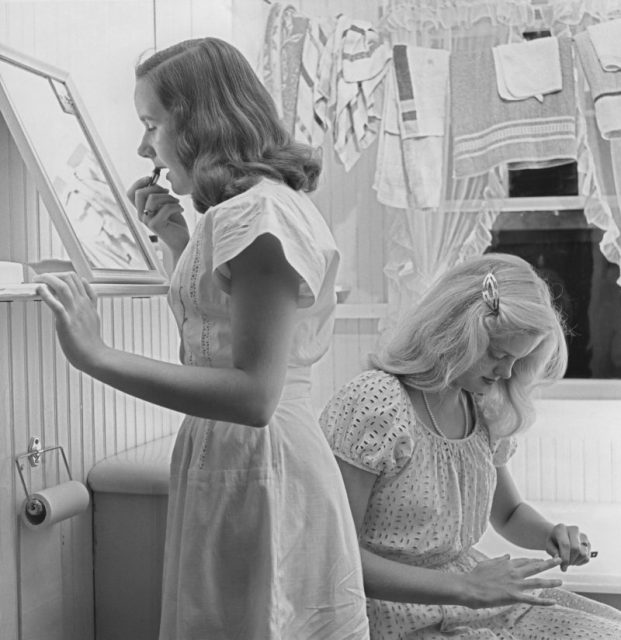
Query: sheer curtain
(424, 243)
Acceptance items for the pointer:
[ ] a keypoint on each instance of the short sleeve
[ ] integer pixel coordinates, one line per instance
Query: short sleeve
(366, 424)
(502, 450)
(287, 215)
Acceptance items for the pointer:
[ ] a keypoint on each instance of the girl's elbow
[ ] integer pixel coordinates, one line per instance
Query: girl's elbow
(260, 412)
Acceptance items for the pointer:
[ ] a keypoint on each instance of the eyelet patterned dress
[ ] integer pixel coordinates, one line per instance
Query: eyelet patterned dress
(260, 543)
(429, 506)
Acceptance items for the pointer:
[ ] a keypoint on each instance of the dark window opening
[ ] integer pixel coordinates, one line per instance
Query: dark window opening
(564, 249)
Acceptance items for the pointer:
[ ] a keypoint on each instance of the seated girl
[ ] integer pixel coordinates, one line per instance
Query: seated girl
(423, 440)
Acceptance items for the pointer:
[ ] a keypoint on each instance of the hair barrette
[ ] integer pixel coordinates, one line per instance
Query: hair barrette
(490, 293)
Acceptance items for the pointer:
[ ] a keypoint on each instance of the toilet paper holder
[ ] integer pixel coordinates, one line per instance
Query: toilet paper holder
(34, 454)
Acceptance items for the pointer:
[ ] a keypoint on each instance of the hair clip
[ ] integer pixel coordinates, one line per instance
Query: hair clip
(490, 293)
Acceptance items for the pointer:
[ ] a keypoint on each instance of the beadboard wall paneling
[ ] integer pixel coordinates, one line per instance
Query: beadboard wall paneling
(46, 579)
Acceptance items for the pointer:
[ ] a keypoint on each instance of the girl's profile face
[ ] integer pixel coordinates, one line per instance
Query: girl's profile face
(497, 362)
(159, 140)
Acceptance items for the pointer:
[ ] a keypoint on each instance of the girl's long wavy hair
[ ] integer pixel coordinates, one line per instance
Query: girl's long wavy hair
(452, 326)
(229, 133)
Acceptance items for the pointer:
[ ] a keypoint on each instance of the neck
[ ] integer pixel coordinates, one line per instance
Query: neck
(449, 411)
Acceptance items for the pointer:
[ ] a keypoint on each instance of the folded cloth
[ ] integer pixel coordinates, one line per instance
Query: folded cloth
(528, 69)
(606, 37)
(605, 87)
(488, 131)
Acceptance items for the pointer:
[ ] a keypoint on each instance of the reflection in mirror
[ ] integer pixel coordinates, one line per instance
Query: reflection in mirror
(46, 110)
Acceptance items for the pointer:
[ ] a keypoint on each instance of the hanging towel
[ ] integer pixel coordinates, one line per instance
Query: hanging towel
(488, 131)
(606, 37)
(351, 71)
(389, 180)
(528, 69)
(281, 59)
(605, 87)
(309, 128)
(422, 82)
(269, 61)
(294, 28)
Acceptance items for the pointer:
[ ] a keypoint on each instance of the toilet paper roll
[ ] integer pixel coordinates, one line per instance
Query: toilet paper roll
(44, 508)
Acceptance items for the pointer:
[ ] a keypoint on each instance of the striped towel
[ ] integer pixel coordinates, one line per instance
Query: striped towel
(605, 87)
(422, 83)
(309, 128)
(488, 131)
(348, 98)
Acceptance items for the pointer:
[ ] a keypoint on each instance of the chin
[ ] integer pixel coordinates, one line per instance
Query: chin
(483, 388)
(180, 187)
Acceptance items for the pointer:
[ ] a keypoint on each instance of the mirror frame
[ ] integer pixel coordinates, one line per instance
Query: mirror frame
(156, 272)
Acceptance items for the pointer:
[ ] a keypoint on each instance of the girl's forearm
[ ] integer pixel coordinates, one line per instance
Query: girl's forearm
(526, 527)
(230, 394)
(389, 580)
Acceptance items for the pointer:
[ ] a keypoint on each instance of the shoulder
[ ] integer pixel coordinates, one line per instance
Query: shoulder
(263, 194)
(373, 400)
(366, 423)
(372, 386)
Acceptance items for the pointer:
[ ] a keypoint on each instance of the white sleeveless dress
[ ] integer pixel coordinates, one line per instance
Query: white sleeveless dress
(260, 543)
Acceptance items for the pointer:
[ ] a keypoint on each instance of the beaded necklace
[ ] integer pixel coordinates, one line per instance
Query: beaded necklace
(434, 424)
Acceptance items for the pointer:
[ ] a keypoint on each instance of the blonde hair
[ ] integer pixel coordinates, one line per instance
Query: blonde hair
(452, 327)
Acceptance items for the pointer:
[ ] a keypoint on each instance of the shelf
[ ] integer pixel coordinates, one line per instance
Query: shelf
(368, 311)
(27, 291)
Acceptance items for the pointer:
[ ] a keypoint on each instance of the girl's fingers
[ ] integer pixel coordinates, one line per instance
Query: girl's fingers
(44, 292)
(163, 214)
(58, 287)
(154, 204)
(132, 192)
(75, 284)
(144, 194)
(541, 583)
(530, 598)
(533, 566)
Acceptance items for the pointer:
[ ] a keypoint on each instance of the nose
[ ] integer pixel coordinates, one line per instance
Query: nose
(145, 150)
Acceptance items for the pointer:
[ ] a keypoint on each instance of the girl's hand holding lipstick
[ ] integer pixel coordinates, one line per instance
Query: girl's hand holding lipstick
(160, 211)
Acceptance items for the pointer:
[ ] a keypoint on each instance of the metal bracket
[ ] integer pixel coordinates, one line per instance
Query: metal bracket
(34, 454)
(34, 449)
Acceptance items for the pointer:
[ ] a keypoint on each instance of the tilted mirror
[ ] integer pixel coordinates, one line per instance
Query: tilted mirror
(73, 174)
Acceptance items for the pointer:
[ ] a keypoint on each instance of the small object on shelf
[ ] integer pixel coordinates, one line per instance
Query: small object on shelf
(13, 272)
(342, 293)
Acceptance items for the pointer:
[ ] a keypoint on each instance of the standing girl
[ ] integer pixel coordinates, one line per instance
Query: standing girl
(260, 541)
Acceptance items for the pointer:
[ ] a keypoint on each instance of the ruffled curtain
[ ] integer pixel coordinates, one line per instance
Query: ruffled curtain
(424, 243)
